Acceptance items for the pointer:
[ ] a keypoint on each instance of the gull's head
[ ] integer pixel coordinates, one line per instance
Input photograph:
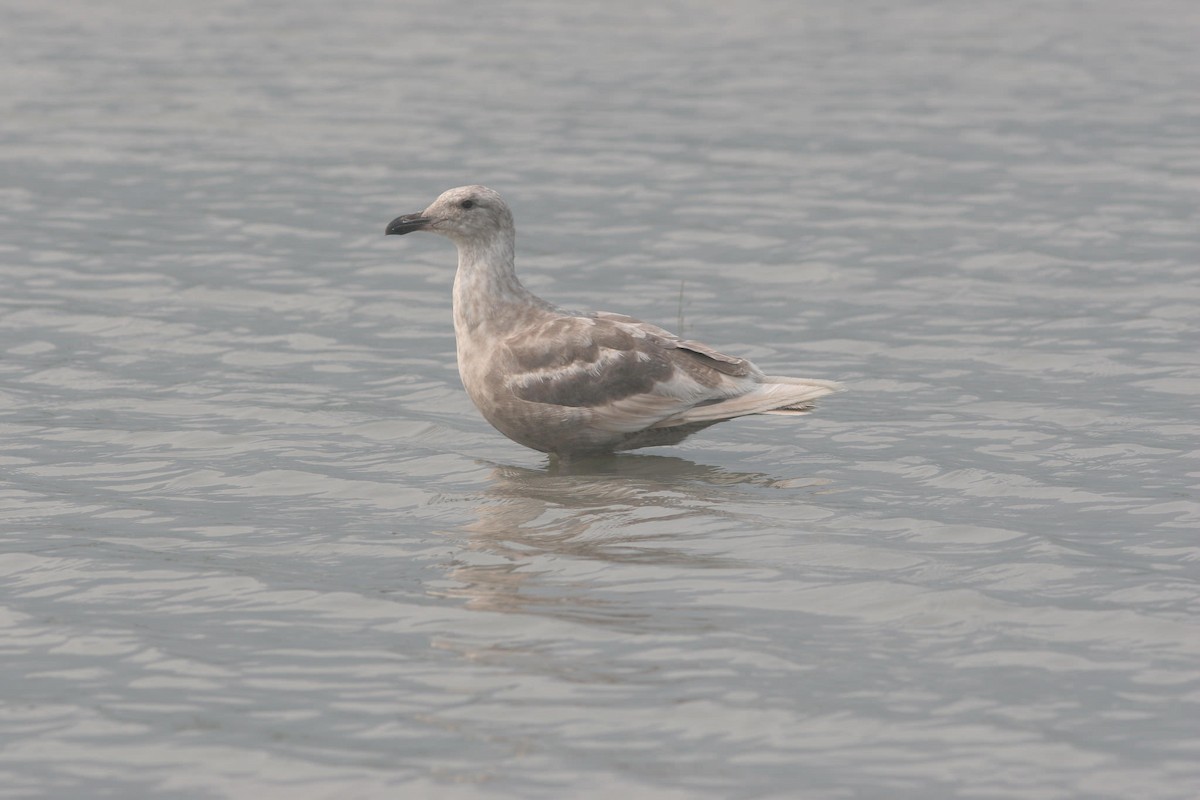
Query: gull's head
(465, 214)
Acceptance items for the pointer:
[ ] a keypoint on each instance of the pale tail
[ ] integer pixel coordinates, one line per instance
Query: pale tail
(806, 391)
(776, 395)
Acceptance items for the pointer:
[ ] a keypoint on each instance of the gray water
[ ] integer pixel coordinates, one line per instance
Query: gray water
(257, 543)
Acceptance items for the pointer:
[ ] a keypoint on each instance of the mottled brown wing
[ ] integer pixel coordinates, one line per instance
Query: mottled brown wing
(630, 377)
(726, 364)
(576, 361)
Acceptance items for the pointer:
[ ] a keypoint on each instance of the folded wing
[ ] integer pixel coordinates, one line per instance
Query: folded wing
(628, 374)
(631, 375)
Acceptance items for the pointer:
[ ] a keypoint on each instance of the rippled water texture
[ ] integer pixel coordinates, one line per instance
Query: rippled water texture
(257, 543)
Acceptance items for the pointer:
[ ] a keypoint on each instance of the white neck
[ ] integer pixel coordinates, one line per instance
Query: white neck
(487, 294)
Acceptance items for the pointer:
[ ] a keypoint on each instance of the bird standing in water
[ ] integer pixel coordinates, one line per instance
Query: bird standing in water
(581, 384)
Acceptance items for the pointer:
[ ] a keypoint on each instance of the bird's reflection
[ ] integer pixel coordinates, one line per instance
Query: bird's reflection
(546, 537)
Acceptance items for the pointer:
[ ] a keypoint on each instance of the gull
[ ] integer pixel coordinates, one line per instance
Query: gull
(581, 384)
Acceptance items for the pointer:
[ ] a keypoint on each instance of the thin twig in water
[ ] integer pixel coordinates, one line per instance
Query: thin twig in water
(679, 326)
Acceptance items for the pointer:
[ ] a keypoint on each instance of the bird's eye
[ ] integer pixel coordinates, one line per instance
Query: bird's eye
(467, 204)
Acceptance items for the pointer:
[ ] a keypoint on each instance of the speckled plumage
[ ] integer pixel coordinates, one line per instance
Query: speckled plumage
(581, 384)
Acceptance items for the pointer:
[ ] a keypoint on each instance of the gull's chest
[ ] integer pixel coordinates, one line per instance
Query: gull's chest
(480, 353)
(474, 354)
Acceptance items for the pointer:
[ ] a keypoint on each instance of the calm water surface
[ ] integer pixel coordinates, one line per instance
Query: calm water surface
(255, 542)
